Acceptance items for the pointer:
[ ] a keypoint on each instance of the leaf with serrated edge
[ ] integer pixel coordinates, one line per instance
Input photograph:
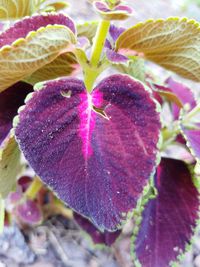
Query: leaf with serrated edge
(13, 9)
(10, 165)
(33, 48)
(167, 222)
(173, 43)
(81, 142)
(119, 12)
(63, 65)
(87, 29)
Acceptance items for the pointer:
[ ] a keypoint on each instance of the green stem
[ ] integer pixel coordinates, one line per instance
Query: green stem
(99, 42)
(195, 111)
(2, 214)
(91, 72)
(34, 188)
(169, 135)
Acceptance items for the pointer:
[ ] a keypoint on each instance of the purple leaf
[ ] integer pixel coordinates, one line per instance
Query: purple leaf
(193, 139)
(28, 212)
(95, 151)
(22, 28)
(106, 238)
(183, 93)
(124, 8)
(102, 6)
(115, 32)
(10, 100)
(168, 220)
(108, 44)
(115, 57)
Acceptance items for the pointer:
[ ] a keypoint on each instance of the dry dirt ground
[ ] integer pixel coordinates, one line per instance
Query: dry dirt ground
(59, 242)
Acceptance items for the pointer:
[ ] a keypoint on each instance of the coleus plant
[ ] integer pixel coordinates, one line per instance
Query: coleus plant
(101, 144)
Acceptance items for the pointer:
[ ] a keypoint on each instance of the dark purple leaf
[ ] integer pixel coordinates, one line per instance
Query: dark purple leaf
(180, 139)
(108, 44)
(106, 238)
(24, 182)
(10, 100)
(22, 28)
(96, 151)
(168, 221)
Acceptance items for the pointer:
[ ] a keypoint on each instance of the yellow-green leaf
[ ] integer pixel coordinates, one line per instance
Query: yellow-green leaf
(57, 6)
(134, 68)
(13, 9)
(26, 55)
(10, 165)
(87, 29)
(63, 65)
(173, 43)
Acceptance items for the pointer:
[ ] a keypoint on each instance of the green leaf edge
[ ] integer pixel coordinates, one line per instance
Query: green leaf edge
(180, 19)
(32, 34)
(197, 166)
(112, 14)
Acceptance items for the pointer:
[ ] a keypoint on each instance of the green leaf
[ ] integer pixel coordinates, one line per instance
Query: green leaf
(87, 29)
(26, 55)
(10, 166)
(63, 65)
(14, 9)
(57, 6)
(173, 43)
(135, 68)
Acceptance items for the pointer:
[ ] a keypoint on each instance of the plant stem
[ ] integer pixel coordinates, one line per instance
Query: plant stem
(2, 214)
(195, 111)
(91, 72)
(99, 42)
(34, 188)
